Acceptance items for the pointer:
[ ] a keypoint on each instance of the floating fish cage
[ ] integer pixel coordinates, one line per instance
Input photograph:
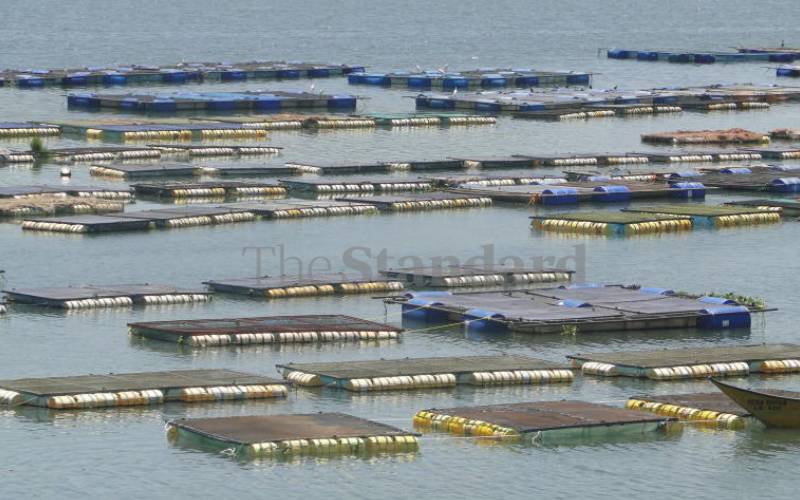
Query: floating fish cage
(388, 184)
(392, 120)
(635, 109)
(294, 208)
(689, 363)
(713, 216)
(701, 156)
(701, 57)
(265, 330)
(137, 389)
(490, 162)
(102, 153)
(542, 422)
(478, 180)
(191, 131)
(166, 169)
(712, 408)
(339, 168)
(174, 74)
(571, 193)
(746, 179)
(595, 176)
(279, 287)
(91, 296)
(785, 134)
(786, 208)
(776, 153)
(14, 156)
(585, 308)
(607, 223)
(475, 276)
(729, 136)
(276, 436)
(228, 189)
(427, 373)
(195, 150)
(169, 218)
(259, 101)
(55, 205)
(106, 193)
(423, 201)
(27, 129)
(485, 78)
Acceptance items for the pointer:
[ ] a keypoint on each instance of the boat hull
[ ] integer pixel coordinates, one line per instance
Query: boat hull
(773, 408)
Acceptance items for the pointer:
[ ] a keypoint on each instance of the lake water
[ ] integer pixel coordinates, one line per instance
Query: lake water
(124, 453)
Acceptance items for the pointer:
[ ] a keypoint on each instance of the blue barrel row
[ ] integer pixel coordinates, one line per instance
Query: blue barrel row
(701, 57)
(565, 195)
(790, 71)
(452, 81)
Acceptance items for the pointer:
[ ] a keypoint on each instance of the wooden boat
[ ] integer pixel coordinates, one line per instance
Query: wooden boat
(772, 407)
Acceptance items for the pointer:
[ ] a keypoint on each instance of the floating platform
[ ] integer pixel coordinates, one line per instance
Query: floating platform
(218, 189)
(103, 153)
(392, 120)
(607, 223)
(135, 389)
(786, 208)
(700, 362)
(28, 129)
(356, 185)
(424, 373)
(729, 136)
(196, 150)
(168, 218)
(490, 162)
(165, 169)
(192, 131)
(279, 287)
(618, 175)
(423, 201)
(747, 179)
(180, 73)
(713, 408)
(479, 180)
(701, 57)
(569, 160)
(776, 153)
(785, 134)
(714, 216)
(43, 205)
(265, 330)
(293, 208)
(105, 193)
(275, 436)
(92, 296)
(475, 276)
(571, 193)
(586, 308)
(700, 156)
(543, 422)
(487, 78)
(260, 101)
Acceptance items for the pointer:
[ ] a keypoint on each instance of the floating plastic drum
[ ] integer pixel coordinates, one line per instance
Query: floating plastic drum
(289, 74)
(704, 59)
(792, 72)
(785, 185)
(480, 319)
(647, 56)
(611, 193)
(619, 54)
(419, 82)
(129, 103)
(782, 57)
(527, 81)
(355, 78)
(28, 81)
(268, 103)
(683, 175)
(724, 317)
(221, 104)
(688, 190)
(657, 291)
(233, 75)
(532, 107)
(666, 99)
(83, 100)
(490, 81)
(173, 76)
(736, 170)
(114, 78)
(680, 58)
(487, 106)
(161, 105)
(717, 300)
(577, 79)
(80, 78)
(342, 102)
(573, 303)
(559, 196)
(451, 83)
(319, 73)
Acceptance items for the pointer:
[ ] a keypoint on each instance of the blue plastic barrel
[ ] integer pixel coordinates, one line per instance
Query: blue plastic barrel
(657, 291)
(573, 303)
(688, 190)
(436, 103)
(455, 82)
(493, 81)
(29, 81)
(83, 100)
(724, 317)
(221, 103)
(782, 57)
(319, 73)
(170, 75)
(559, 196)
(376, 79)
(487, 106)
(114, 78)
(289, 74)
(579, 79)
(684, 175)
(619, 54)
(345, 101)
(704, 59)
(736, 170)
(419, 82)
(598, 178)
(267, 103)
(611, 193)
(164, 104)
(710, 299)
(647, 55)
(347, 70)
(532, 106)
(785, 185)
(80, 78)
(680, 58)
(233, 75)
(483, 320)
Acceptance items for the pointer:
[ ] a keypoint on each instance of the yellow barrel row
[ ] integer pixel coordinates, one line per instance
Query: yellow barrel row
(140, 135)
(437, 204)
(268, 190)
(727, 420)
(639, 110)
(403, 186)
(415, 122)
(302, 379)
(492, 182)
(746, 219)
(10, 398)
(540, 277)
(399, 166)
(91, 156)
(462, 426)
(103, 302)
(662, 226)
(257, 150)
(723, 106)
(176, 298)
(753, 105)
(344, 123)
(699, 371)
(790, 154)
(276, 125)
(639, 178)
(209, 191)
(560, 162)
(233, 217)
(326, 211)
(242, 132)
(779, 366)
(369, 287)
(28, 132)
(520, 377)
(106, 172)
(306, 169)
(232, 392)
(471, 120)
(200, 220)
(17, 158)
(108, 195)
(290, 337)
(299, 291)
(601, 369)
(484, 280)
(621, 160)
(139, 153)
(668, 109)
(738, 156)
(340, 188)
(106, 399)
(54, 227)
(691, 158)
(334, 446)
(568, 226)
(401, 382)
(210, 151)
(573, 116)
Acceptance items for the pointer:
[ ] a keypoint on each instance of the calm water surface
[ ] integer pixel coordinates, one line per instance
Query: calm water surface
(124, 453)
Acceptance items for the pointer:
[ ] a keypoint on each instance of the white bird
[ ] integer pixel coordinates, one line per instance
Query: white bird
(418, 68)
(311, 88)
(455, 90)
